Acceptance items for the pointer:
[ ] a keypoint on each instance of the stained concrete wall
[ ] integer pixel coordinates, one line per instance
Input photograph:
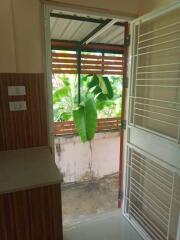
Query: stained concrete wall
(84, 161)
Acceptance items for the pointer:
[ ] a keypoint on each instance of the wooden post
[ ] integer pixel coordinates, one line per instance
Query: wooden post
(123, 118)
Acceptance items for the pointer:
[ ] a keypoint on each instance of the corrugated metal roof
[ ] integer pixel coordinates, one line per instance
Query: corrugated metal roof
(76, 30)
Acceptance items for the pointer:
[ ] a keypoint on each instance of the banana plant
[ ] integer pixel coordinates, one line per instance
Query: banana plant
(101, 87)
(85, 115)
(97, 91)
(85, 118)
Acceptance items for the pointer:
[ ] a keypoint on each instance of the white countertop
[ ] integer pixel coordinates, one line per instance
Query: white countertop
(27, 168)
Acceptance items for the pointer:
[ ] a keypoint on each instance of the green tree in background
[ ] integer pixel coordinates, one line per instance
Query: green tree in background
(65, 95)
(99, 98)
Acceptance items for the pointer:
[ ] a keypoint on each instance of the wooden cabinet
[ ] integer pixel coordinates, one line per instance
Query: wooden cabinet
(30, 196)
(32, 214)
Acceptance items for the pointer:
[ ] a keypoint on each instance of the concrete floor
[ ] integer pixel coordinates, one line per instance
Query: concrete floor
(106, 226)
(89, 198)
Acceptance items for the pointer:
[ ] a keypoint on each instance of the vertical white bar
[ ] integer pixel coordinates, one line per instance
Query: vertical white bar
(178, 137)
(178, 230)
(136, 67)
(170, 210)
(131, 73)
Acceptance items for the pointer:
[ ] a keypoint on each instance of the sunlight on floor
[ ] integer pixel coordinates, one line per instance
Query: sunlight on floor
(107, 226)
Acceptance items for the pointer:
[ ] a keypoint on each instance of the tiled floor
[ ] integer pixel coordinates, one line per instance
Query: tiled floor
(107, 226)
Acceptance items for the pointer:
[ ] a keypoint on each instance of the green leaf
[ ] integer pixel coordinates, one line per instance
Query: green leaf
(103, 85)
(101, 96)
(96, 90)
(109, 87)
(65, 116)
(84, 77)
(100, 104)
(94, 81)
(85, 118)
(65, 80)
(60, 93)
(106, 87)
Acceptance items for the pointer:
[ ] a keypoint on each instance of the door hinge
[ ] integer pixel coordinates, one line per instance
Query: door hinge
(127, 40)
(123, 124)
(125, 82)
(120, 195)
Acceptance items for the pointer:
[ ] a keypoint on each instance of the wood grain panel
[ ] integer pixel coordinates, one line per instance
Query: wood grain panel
(22, 129)
(103, 124)
(90, 63)
(31, 214)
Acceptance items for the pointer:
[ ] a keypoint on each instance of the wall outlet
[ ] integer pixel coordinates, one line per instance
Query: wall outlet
(16, 90)
(17, 106)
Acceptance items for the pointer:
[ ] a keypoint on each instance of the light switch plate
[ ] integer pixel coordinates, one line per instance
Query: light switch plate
(17, 106)
(16, 90)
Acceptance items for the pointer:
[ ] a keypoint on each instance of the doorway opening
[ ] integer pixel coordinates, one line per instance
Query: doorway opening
(86, 50)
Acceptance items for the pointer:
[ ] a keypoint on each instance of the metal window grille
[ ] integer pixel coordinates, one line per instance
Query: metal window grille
(153, 196)
(155, 94)
(152, 199)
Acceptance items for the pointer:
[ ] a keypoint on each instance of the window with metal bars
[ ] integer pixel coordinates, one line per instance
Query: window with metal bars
(153, 195)
(155, 94)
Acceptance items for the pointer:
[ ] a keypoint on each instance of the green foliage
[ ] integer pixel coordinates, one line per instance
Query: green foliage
(107, 91)
(60, 93)
(64, 90)
(101, 87)
(86, 115)
(100, 95)
(65, 80)
(85, 118)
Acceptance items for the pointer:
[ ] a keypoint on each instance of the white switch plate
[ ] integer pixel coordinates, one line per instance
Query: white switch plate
(16, 90)
(17, 106)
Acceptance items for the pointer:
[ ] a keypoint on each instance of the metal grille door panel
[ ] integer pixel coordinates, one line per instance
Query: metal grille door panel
(152, 199)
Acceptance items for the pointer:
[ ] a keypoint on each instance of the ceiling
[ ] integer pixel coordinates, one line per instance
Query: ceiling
(77, 30)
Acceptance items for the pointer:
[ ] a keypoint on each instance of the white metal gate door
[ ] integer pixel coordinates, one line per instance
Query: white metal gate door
(152, 191)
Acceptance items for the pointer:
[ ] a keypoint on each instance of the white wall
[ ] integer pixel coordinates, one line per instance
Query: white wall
(21, 27)
(7, 43)
(81, 161)
(21, 36)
